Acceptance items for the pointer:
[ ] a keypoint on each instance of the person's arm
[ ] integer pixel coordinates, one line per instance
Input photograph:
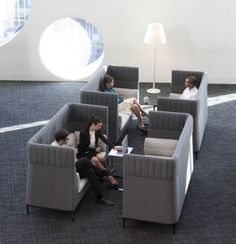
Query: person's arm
(120, 99)
(104, 139)
(113, 91)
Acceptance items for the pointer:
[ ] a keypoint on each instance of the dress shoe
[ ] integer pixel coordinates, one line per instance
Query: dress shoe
(103, 201)
(113, 186)
(140, 127)
(143, 129)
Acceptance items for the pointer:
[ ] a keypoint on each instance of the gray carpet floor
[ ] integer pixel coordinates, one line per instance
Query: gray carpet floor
(209, 212)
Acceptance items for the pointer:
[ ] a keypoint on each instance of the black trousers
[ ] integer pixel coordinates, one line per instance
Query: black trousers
(87, 170)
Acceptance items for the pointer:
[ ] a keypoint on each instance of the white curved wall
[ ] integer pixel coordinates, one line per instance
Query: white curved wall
(200, 36)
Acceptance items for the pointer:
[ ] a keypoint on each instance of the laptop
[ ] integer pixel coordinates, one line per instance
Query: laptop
(124, 145)
(125, 149)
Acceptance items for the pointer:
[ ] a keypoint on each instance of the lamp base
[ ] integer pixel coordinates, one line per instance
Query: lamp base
(153, 90)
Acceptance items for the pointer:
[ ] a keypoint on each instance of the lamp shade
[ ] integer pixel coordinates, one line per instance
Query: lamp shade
(155, 34)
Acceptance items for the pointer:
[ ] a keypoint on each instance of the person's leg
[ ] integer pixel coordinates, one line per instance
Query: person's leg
(112, 180)
(136, 111)
(100, 163)
(95, 160)
(101, 171)
(144, 114)
(87, 170)
(108, 176)
(101, 158)
(106, 173)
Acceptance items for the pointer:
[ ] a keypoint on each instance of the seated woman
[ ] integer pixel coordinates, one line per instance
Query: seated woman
(124, 105)
(88, 146)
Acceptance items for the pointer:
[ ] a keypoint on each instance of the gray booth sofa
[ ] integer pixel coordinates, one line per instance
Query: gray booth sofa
(155, 184)
(197, 108)
(126, 84)
(52, 180)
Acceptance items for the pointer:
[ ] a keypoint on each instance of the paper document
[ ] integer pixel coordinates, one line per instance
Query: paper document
(116, 153)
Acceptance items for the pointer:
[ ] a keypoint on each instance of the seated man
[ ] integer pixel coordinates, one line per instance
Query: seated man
(191, 90)
(85, 169)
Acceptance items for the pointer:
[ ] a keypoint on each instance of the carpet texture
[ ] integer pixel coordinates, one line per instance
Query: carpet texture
(209, 212)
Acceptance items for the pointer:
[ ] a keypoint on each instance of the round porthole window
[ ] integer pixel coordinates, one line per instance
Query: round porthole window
(71, 48)
(13, 15)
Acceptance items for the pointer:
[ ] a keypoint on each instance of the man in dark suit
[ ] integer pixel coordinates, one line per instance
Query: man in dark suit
(86, 169)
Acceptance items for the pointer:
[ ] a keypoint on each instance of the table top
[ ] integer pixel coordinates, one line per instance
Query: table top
(150, 100)
(115, 153)
(153, 90)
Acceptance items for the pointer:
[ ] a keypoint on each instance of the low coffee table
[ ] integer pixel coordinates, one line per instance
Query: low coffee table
(115, 160)
(151, 100)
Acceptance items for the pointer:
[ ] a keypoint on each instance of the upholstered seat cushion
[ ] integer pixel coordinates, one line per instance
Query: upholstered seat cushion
(127, 93)
(71, 141)
(81, 183)
(159, 146)
(123, 118)
(174, 95)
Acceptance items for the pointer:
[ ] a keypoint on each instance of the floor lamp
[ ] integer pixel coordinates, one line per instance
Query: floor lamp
(154, 36)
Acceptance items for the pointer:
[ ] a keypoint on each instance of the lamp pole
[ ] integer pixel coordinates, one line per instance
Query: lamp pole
(154, 90)
(154, 75)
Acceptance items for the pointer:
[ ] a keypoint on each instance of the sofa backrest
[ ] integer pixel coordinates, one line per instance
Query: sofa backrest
(72, 117)
(124, 76)
(167, 125)
(46, 134)
(79, 115)
(183, 146)
(94, 81)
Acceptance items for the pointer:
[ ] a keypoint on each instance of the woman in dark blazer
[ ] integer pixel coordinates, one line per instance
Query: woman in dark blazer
(88, 145)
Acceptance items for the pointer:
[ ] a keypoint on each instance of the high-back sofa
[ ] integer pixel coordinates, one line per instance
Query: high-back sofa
(155, 184)
(197, 108)
(126, 84)
(52, 181)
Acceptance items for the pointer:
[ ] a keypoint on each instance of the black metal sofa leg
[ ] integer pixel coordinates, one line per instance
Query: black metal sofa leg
(174, 228)
(123, 222)
(27, 209)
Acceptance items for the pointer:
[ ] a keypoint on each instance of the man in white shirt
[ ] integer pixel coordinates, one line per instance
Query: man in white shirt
(61, 138)
(191, 90)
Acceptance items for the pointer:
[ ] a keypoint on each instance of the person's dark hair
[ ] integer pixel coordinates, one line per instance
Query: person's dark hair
(193, 79)
(101, 86)
(94, 120)
(106, 80)
(61, 135)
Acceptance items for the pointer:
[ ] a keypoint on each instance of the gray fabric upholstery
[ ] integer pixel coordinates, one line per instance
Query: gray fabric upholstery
(125, 77)
(127, 93)
(155, 186)
(51, 179)
(159, 146)
(197, 108)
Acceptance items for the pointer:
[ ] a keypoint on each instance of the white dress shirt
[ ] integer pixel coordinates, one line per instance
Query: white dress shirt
(92, 139)
(55, 144)
(189, 93)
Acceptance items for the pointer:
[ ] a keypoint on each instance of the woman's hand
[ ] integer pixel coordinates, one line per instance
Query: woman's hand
(118, 148)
